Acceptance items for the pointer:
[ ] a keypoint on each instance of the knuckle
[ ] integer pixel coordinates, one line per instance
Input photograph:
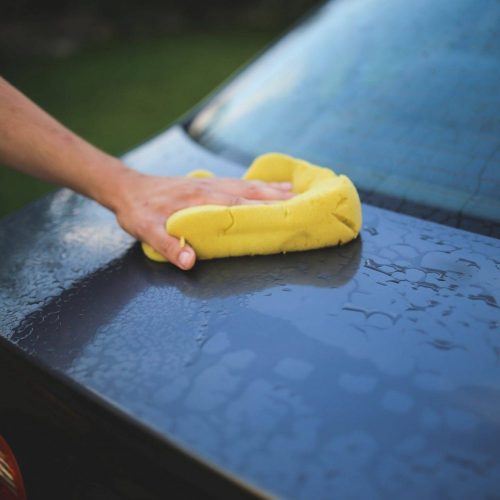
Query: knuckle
(169, 248)
(236, 200)
(166, 250)
(253, 190)
(197, 192)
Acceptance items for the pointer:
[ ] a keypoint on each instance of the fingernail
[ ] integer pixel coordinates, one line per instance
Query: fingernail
(185, 259)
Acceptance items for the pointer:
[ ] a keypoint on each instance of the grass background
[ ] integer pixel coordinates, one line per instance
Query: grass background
(120, 93)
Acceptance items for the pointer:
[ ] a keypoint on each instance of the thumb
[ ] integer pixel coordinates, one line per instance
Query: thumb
(170, 248)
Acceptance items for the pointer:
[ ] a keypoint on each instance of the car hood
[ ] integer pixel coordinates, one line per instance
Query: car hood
(372, 368)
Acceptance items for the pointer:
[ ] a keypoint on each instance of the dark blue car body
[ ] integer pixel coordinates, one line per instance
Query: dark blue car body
(370, 370)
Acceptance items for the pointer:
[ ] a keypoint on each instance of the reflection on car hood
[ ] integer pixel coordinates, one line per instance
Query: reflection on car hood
(363, 370)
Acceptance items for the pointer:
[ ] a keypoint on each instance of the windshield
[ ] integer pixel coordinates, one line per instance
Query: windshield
(403, 97)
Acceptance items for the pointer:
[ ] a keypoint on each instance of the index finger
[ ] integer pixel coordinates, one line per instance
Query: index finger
(255, 190)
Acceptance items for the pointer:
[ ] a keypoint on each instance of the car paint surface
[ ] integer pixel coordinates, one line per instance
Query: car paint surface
(401, 97)
(370, 370)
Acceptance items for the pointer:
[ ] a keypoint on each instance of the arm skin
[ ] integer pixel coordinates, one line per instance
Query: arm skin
(33, 142)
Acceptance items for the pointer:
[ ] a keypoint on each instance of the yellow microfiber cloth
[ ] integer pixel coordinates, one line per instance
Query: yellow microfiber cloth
(326, 211)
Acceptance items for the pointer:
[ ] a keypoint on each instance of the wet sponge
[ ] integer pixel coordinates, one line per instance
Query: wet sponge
(325, 211)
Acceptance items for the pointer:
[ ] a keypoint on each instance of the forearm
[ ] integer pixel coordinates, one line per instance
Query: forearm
(33, 142)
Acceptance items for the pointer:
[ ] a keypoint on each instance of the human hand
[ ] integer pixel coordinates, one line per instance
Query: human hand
(33, 142)
(143, 204)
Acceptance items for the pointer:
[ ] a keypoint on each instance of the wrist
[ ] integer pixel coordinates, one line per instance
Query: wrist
(115, 184)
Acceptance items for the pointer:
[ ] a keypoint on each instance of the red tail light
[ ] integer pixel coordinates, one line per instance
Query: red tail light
(11, 481)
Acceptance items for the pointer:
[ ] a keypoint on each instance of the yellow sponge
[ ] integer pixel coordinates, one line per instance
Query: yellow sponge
(325, 211)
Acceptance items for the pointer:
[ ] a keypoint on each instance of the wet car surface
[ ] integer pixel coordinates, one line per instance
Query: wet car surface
(370, 370)
(359, 369)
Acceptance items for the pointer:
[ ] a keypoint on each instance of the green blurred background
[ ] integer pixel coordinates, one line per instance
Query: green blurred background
(117, 72)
